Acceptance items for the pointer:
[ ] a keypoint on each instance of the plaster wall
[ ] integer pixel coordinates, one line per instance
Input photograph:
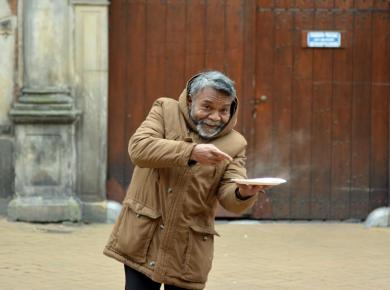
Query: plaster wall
(7, 60)
(8, 25)
(90, 85)
(53, 64)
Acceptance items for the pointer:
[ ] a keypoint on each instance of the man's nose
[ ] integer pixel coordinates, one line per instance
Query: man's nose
(215, 116)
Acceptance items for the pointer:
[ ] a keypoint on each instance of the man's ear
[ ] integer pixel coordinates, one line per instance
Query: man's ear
(189, 99)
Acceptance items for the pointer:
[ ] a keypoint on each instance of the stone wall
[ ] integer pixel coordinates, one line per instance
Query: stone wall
(53, 109)
(7, 60)
(8, 24)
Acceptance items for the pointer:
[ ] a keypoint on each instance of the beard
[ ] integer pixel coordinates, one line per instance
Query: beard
(207, 129)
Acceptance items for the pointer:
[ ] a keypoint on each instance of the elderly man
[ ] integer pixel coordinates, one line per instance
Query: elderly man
(185, 154)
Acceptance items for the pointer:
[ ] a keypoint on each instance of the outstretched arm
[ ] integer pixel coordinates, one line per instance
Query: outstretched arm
(227, 193)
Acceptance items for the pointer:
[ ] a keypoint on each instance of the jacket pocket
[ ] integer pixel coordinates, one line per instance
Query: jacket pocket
(199, 254)
(135, 230)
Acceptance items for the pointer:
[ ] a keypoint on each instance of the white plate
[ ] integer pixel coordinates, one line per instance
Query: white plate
(261, 181)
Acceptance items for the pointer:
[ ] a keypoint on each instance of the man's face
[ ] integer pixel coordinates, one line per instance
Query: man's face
(210, 110)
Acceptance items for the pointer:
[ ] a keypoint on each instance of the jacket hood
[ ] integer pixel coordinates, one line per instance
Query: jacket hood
(183, 104)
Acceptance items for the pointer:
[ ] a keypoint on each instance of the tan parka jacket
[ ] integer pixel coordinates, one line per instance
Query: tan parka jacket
(166, 226)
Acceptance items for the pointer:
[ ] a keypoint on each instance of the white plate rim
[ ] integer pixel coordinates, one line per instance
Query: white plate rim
(260, 181)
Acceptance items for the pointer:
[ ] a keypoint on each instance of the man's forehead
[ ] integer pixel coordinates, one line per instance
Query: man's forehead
(210, 95)
(224, 101)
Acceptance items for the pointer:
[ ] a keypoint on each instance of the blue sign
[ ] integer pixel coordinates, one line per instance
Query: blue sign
(323, 39)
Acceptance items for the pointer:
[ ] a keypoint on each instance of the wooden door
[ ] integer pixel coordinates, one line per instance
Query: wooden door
(318, 117)
(155, 46)
(322, 118)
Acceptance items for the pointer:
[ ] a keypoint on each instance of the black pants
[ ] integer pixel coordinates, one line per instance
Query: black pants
(138, 281)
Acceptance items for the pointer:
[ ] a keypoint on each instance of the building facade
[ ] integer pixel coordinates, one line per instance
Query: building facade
(78, 76)
(53, 118)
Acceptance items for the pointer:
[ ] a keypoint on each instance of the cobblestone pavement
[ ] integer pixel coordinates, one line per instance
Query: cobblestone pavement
(251, 256)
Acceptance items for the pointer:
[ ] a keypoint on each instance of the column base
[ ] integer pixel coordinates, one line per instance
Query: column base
(4, 205)
(101, 212)
(38, 209)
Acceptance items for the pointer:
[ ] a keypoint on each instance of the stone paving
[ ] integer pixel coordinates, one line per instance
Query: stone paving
(249, 256)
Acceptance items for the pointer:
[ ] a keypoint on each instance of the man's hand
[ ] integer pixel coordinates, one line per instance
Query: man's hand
(250, 190)
(208, 154)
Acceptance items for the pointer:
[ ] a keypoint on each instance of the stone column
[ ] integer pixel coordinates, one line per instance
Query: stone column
(44, 118)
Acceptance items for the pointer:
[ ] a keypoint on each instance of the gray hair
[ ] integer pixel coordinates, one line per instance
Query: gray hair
(212, 79)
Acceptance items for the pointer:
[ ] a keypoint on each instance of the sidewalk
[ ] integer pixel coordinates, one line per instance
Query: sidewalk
(272, 256)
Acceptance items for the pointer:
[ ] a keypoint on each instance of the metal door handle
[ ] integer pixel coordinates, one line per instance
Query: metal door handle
(258, 100)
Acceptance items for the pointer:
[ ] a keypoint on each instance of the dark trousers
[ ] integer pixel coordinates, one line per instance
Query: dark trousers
(138, 281)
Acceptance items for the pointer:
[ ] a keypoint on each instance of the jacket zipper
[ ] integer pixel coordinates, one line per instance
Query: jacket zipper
(168, 227)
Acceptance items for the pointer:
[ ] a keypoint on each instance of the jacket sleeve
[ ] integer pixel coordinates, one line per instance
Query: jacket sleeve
(226, 192)
(149, 148)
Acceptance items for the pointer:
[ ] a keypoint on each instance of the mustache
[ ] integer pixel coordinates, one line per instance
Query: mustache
(211, 123)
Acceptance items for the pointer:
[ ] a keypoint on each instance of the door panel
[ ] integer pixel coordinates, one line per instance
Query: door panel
(330, 117)
(341, 125)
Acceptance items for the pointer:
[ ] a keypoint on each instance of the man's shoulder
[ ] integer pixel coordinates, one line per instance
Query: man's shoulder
(170, 113)
(169, 108)
(232, 143)
(237, 137)
(166, 101)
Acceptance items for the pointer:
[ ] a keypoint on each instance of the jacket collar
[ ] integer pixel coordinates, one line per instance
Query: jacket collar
(183, 105)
